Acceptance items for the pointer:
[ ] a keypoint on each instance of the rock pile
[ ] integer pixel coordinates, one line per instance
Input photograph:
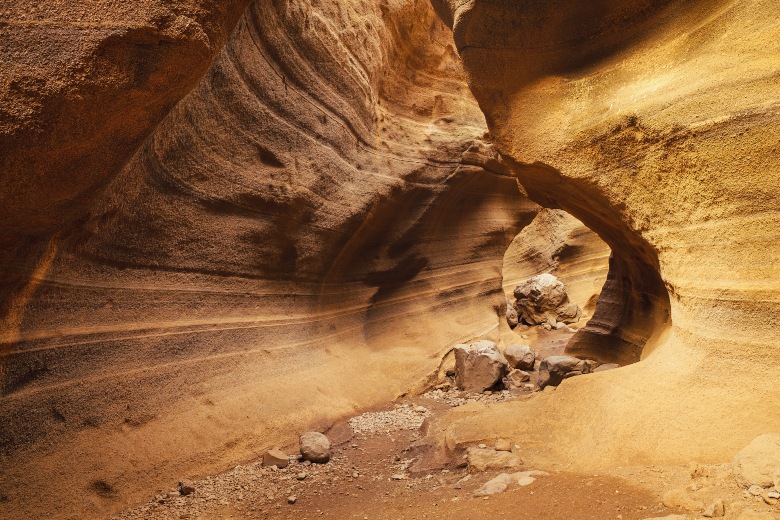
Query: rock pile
(542, 300)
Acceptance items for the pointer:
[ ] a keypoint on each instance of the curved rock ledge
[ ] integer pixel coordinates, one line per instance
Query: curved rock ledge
(652, 127)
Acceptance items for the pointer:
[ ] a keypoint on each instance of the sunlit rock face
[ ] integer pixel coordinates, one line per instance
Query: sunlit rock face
(304, 234)
(656, 124)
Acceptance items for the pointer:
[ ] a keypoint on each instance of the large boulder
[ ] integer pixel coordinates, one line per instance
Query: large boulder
(315, 447)
(521, 357)
(758, 463)
(543, 299)
(478, 366)
(555, 369)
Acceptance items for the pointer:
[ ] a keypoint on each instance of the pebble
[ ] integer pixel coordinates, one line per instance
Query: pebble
(301, 476)
(292, 499)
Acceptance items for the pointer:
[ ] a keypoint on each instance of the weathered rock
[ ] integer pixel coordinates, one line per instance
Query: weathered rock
(680, 499)
(715, 510)
(275, 457)
(516, 379)
(315, 447)
(512, 317)
(770, 497)
(478, 366)
(755, 490)
(605, 367)
(503, 445)
(555, 369)
(521, 357)
(186, 487)
(292, 499)
(543, 299)
(495, 485)
(483, 459)
(758, 462)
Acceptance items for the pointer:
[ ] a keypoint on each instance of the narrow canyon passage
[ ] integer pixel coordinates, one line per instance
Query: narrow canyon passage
(224, 225)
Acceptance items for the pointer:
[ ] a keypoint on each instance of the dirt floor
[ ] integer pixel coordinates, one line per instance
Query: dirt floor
(380, 469)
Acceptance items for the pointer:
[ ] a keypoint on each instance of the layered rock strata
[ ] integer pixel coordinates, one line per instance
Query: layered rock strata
(656, 124)
(303, 234)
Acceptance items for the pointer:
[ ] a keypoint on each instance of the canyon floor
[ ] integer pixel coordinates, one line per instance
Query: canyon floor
(383, 468)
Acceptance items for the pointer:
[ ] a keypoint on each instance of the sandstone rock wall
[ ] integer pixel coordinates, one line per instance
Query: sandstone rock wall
(656, 124)
(302, 235)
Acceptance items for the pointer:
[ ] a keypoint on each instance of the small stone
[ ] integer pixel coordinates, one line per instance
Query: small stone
(398, 476)
(756, 491)
(315, 447)
(355, 474)
(275, 457)
(186, 487)
(483, 446)
(503, 445)
(292, 499)
(301, 476)
(420, 409)
(516, 379)
(715, 510)
(512, 318)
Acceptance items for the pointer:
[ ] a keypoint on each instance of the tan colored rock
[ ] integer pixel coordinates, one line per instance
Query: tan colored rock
(315, 447)
(757, 463)
(478, 366)
(275, 457)
(716, 509)
(503, 445)
(521, 357)
(680, 499)
(555, 369)
(516, 379)
(657, 163)
(543, 299)
(482, 459)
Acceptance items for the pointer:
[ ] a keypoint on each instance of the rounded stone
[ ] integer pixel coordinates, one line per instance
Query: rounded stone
(315, 447)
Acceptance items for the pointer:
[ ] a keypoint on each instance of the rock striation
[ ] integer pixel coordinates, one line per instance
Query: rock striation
(657, 132)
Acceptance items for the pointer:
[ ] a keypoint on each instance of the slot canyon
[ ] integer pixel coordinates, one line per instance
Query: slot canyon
(225, 224)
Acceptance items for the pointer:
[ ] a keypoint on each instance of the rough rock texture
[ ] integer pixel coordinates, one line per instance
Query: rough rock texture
(315, 447)
(483, 459)
(559, 244)
(656, 124)
(554, 369)
(543, 299)
(304, 233)
(758, 463)
(516, 379)
(478, 366)
(520, 356)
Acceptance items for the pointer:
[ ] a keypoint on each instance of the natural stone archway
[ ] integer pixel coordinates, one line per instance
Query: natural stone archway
(645, 121)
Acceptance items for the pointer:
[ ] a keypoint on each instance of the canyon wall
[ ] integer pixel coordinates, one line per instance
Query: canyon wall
(304, 234)
(657, 124)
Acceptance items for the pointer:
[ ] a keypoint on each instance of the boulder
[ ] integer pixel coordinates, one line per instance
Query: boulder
(555, 369)
(543, 300)
(758, 462)
(275, 457)
(516, 379)
(483, 459)
(315, 447)
(512, 318)
(478, 366)
(520, 356)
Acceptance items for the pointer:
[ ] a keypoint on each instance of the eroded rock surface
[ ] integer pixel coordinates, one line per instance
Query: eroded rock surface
(478, 366)
(543, 299)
